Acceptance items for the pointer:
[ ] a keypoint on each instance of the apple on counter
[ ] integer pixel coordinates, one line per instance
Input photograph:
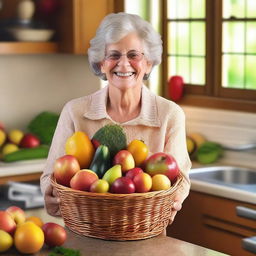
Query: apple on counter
(17, 214)
(29, 140)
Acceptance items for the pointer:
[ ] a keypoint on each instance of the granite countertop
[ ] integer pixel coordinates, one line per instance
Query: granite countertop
(160, 246)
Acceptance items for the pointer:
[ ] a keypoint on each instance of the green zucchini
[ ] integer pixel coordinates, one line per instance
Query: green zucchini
(27, 154)
(101, 161)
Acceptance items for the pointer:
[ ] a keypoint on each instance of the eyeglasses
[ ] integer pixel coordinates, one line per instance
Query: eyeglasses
(134, 56)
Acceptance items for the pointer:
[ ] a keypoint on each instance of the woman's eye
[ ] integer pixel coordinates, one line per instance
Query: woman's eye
(114, 56)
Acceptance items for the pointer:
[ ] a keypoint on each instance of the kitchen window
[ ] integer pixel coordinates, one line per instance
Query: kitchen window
(212, 45)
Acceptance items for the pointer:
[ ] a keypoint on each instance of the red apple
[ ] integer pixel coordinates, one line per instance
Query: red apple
(7, 223)
(17, 214)
(123, 185)
(133, 172)
(65, 168)
(142, 182)
(54, 234)
(29, 140)
(162, 163)
(125, 159)
(95, 143)
(83, 180)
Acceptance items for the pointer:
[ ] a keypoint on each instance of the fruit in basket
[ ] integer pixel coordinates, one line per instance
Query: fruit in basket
(80, 146)
(15, 136)
(133, 172)
(2, 137)
(65, 168)
(7, 223)
(112, 174)
(28, 238)
(55, 234)
(123, 185)
(83, 180)
(139, 151)
(29, 140)
(111, 135)
(160, 182)
(162, 163)
(6, 241)
(17, 214)
(101, 161)
(99, 186)
(142, 182)
(125, 159)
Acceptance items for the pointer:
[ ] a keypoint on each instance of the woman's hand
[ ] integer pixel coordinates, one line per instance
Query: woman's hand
(177, 205)
(52, 202)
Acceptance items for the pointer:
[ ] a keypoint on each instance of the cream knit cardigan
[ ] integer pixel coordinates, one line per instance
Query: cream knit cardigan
(161, 125)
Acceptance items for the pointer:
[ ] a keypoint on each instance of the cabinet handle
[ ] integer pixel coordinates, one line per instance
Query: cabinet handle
(249, 244)
(246, 212)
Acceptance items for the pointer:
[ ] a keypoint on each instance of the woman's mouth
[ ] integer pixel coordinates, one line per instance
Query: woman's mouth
(124, 74)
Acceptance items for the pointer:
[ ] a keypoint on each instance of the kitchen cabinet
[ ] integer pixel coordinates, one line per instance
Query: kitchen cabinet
(212, 222)
(75, 24)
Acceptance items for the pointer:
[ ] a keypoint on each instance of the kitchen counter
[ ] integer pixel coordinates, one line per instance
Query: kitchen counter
(160, 246)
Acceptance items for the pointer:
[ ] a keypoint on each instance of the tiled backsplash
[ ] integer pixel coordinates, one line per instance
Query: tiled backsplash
(225, 127)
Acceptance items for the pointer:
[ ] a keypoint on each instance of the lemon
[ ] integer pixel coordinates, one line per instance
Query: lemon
(9, 148)
(6, 241)
(2, 137)
(15, 136)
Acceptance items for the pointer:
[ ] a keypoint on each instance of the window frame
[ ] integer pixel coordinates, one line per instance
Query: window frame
(212, 95)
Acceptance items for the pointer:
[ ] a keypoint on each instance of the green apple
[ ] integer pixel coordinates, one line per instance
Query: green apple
(99, 186)
(113, 173)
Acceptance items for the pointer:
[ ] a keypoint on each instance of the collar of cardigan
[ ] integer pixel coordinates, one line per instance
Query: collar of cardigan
(148, 115)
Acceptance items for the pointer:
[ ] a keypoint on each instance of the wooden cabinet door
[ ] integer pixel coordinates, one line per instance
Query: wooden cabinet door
(78, 20)
(212, 222)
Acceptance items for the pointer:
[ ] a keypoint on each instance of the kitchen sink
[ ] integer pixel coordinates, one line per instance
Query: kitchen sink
(229, 176)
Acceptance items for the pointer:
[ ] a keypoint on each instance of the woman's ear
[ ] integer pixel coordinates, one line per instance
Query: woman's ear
(149, 67)
(102, 68)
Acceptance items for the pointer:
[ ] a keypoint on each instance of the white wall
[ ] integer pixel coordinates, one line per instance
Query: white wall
(34, 83)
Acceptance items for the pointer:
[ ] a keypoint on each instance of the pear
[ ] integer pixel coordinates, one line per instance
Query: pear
(112, 174)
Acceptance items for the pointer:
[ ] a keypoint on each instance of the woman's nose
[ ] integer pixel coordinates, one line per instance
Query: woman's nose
(124, 60)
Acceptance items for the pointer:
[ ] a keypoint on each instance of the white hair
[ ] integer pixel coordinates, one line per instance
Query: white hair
(116, 26)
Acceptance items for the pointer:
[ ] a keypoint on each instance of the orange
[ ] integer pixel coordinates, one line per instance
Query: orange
(80, 146)
(28, 238)
(160, 182)
(35, 220)
(139, 151)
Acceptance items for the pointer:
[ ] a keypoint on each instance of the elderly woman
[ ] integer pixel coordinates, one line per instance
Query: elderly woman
(123, 52)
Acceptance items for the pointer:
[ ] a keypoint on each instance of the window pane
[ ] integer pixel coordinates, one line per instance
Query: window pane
(233, 71)
(172, 38)
(235, 8)
(172, 9)
(198, 71)
(198, 38)
(233, 37)
(183, 38)
(251, 37)
(198, 9)
(250, 72)
(178, 9)
(251, 9)
(179, 66)
(138, 7)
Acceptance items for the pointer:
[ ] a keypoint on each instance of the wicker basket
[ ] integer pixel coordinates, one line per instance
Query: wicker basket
(116, 216)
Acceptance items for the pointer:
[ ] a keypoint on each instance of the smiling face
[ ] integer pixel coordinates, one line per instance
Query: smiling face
(125, 64)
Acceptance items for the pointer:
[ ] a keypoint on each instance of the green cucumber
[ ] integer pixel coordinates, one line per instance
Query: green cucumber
(101, 161)
(27, 154)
